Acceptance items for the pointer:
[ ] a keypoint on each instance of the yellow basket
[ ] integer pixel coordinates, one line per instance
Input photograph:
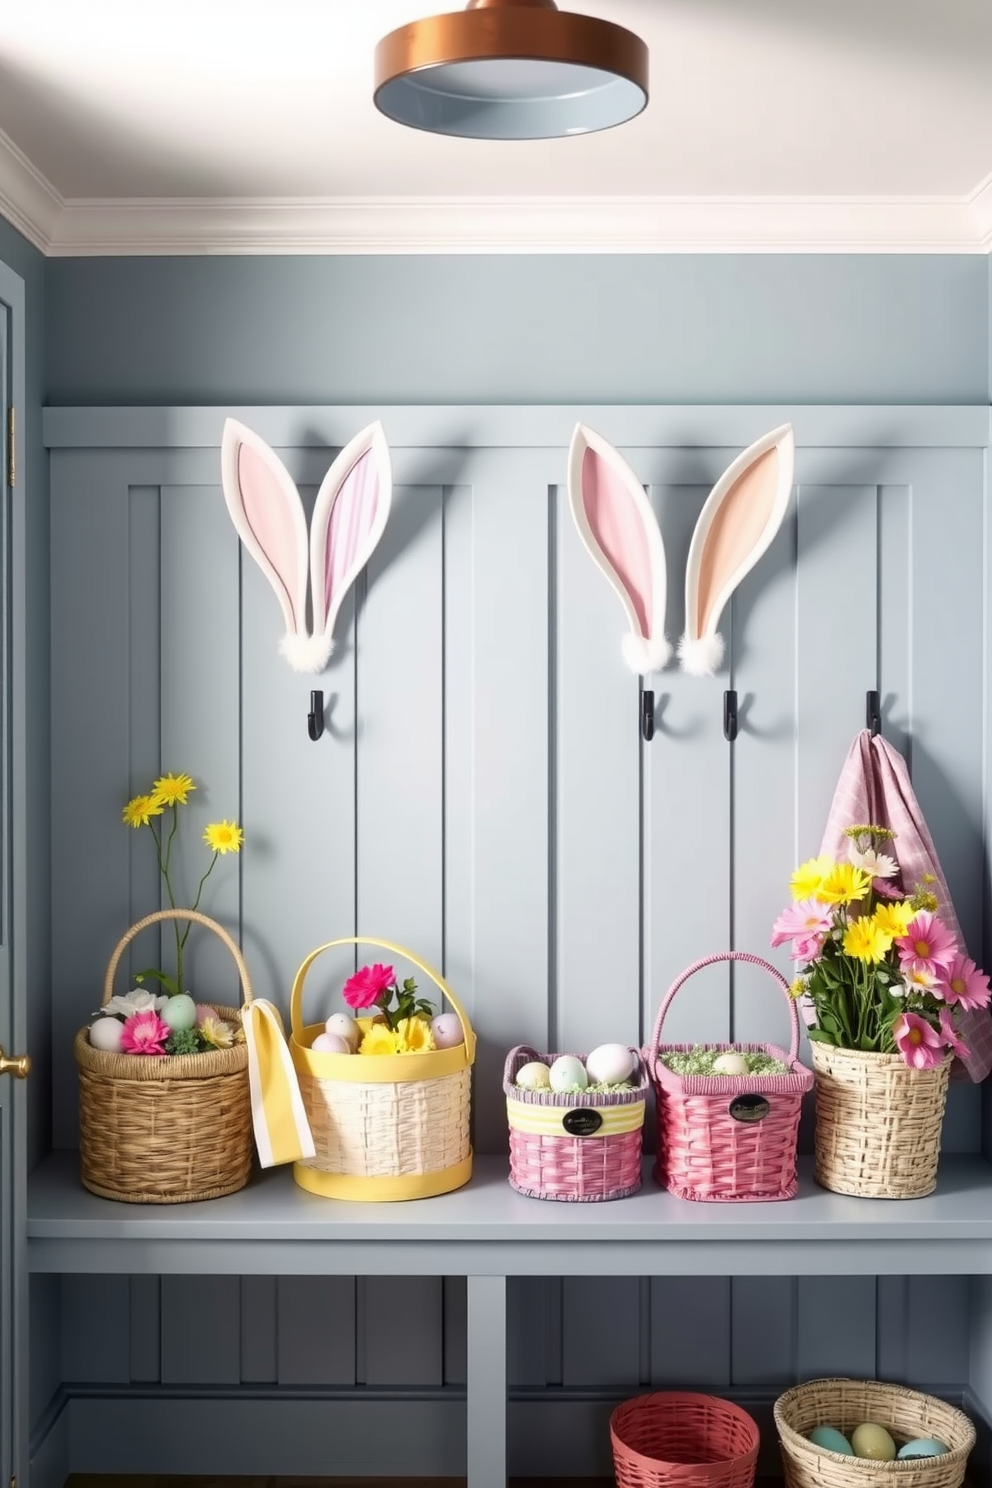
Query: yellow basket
(385, 1126)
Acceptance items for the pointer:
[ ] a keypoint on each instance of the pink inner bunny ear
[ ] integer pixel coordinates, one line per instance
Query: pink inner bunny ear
(742, 514)
(265, 508)
(349, 519)
(621, 534)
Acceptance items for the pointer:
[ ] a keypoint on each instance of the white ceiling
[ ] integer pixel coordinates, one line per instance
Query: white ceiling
(238, 126)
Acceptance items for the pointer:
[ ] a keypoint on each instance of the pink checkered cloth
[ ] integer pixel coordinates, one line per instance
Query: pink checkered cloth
(874, 786)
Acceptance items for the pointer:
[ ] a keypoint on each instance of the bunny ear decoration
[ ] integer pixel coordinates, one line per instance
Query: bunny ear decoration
(621, 534)
(349, 518)
(742, 514)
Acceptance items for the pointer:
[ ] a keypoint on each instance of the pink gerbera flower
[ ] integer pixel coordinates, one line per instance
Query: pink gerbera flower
(145, 1033)
(964, 985)
(920, 1045)
(803, 920)
(367, 985)
(807, 947)
(927, 945)
(950, 1034)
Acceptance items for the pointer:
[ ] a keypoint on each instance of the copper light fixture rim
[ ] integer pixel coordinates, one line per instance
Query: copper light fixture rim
(497, 33)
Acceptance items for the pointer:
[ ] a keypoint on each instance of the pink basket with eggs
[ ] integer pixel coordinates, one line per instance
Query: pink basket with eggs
(728, 1137)
(576, 1145)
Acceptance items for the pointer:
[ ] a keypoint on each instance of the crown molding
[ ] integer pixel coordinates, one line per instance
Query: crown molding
(72, 228)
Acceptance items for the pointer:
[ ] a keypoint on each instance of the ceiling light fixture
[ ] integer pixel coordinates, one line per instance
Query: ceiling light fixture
(511, 69)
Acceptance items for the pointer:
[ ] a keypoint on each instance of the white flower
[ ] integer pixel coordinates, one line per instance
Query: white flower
(918, 981)
(136, 1001)
(875, 864)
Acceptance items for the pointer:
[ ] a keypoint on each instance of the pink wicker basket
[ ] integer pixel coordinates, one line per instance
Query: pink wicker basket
(728, 1138)
(674, 1439)
(578, 1147)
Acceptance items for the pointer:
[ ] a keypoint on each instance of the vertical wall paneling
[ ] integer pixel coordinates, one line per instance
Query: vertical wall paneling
(316, 1330)
(763, 1314)
(259, 1329)
(600, 1331)
(533, 1331)
(937, 1327)
(455, 1301)
(201, 1335)
(96, 1342)
(686, 811)
(144, 696)
(145, 1304)
(835, 1327)
(690, 1332)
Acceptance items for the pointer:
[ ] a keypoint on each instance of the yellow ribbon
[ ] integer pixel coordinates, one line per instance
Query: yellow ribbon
(282, 1131)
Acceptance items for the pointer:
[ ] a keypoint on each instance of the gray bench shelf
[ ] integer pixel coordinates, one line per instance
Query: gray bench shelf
(486, 1232)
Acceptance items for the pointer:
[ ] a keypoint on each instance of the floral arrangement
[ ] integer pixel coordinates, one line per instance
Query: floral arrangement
(142, 1022)
(395, 1021)
(880, 968)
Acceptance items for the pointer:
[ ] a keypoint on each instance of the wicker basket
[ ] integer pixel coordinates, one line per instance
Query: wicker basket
(683, 1440)
(844, 1404)
(728, 1137)
(578, 1147)
(389, 1126)
(878, 1123)
(165, 1131)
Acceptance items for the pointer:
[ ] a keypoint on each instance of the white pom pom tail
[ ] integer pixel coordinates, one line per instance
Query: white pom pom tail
(700, 657)
(306, 653)
(643, 656)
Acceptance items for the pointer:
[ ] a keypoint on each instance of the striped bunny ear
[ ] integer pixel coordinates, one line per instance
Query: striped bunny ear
(742, 514)
(348, 520)
(621, 534)
(266, 510)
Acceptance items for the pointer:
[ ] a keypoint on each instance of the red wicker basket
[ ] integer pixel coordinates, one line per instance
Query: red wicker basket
(673, 1439)
(728, 1137)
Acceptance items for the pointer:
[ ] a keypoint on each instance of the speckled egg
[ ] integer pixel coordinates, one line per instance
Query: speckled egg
(873, 1441)
(832, 1439)
(568, 1073)
(179, 1012)
(534, 1076)
(923, 1446)
(106, 1034)
(343, 1025)
(609, 1064)
(447, 1031)
(331, 1043)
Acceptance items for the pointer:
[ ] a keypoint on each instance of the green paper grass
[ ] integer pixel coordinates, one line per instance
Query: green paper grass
(700, 1061)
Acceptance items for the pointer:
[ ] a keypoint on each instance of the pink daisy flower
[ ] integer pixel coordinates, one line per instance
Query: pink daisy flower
(145, 1033)
(807, 947)
(803, 920)
(963, 985)
(950, 1034)
(367, 985)
(927, 945)
(920, 1045)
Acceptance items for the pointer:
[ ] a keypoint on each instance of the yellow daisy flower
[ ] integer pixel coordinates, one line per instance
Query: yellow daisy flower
(217, 1032)
(380, 1039)
(414, 1036)
(843, 884)
(139, 811)
(865, 941)
(894, 916)
(223, 836)
(809, 875)
(172, 790)
(798, 987)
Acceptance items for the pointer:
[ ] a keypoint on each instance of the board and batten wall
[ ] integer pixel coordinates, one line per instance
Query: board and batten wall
(482, 794)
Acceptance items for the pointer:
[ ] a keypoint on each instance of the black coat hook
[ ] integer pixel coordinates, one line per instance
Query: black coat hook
(730, 715)
(315, 718)
(873, 713)
(647, 716)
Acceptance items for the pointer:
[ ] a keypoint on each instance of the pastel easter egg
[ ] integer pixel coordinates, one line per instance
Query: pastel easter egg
(567, 1073)
(331, 1043)
(106, 1034)
(204, 1010)
(342, 1025)
(730, 1063)
(832, 1439)
(923, 1446)
(179, 1012)
(873, 1441)
(534, 1076)
(610, 1064)
(447, 1031)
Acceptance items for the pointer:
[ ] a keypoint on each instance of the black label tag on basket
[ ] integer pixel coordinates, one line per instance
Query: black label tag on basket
(749, 1108)
(584, 1121)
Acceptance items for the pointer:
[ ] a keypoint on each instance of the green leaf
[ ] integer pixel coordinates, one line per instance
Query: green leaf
(819, 1036)
(169, 983)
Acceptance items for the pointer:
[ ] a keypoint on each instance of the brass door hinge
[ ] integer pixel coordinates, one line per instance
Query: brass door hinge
(11, 449)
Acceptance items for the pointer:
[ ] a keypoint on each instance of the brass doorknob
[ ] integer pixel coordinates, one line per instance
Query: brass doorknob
(20, 1067)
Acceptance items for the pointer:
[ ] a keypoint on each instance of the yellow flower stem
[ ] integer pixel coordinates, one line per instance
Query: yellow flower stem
(196, 901)
(163, 866)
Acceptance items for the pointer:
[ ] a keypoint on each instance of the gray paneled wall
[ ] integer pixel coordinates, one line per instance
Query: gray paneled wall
(482, 794)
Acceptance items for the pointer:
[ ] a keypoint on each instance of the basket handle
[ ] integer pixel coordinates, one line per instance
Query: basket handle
(296, 996)
(176, 914)
(524, 1049)
(752, 960)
